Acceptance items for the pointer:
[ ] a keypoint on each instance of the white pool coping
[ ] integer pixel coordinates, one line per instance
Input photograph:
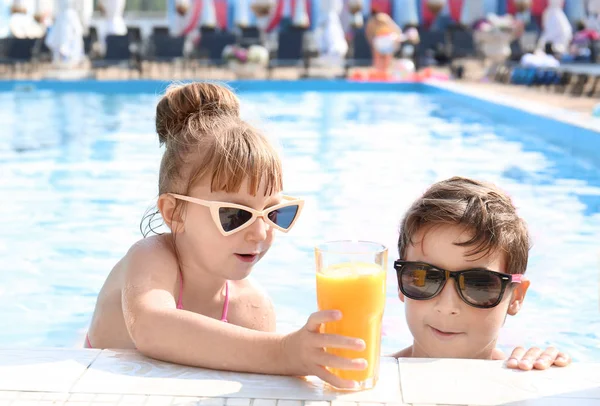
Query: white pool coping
(76, 376)
(587, 121)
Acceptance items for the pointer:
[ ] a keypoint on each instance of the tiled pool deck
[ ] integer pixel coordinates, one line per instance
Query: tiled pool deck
(92, 377)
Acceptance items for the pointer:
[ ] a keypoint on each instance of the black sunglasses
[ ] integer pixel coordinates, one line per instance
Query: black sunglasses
(477, 287)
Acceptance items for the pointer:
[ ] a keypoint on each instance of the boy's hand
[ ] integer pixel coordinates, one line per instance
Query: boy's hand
(304, 350)
(536, 358)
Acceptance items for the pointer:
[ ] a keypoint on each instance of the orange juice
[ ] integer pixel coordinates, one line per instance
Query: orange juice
(357, 289)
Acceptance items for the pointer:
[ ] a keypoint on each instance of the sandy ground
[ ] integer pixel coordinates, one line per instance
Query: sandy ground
(472, 80)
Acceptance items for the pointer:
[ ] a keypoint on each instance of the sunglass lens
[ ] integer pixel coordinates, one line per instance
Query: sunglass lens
(284, 216)
(232, 218)
(481, 288)
(420, 282)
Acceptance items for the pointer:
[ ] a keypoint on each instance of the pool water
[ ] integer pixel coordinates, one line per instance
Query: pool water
(79, 169)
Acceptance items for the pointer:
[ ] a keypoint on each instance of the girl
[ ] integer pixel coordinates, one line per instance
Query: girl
(384, 36)
(184, 296)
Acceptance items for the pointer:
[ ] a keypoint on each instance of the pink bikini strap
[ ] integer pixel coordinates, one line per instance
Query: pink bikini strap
(180, 299)
(226, 304)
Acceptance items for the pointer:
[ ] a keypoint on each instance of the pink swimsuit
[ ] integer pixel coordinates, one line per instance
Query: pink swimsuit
(180, 306)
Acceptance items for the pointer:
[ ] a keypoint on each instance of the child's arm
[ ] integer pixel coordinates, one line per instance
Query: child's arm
(161, 331)
(534, 358)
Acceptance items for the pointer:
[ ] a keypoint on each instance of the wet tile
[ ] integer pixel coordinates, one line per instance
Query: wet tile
(273, 402)
(129, 372)
(44, 370)
(240, 402)
(195, 401)
(554, 402)
(56, 397)
(290, 403)
(8, 395)
(495, 384)
(159, 401)
(212, 402)
(315, 403)
(133, 400)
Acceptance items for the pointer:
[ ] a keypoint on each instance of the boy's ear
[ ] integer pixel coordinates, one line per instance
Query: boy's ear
(518, 296)
(173, 219)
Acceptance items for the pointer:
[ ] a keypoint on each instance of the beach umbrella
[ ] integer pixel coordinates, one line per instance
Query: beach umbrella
(406, 12)
(65, 38)
(330, 36)
(472, 10)
(4, 17)
(490, 7)
(301, 18)
(593, 6)
(113, 14)
(209, 14)
(242, 13)
(575, 10)
(85, 11)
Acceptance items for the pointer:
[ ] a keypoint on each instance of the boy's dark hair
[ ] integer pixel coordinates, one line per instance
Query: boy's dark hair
(481, 208)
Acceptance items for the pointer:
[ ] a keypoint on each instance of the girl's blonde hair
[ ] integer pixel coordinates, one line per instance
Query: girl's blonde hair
(204, 137)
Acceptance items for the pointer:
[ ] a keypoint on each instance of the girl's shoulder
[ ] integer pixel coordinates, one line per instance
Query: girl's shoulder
(160, 244)
(249, 289)
(253, 304)
(150, 265)
(151, 252)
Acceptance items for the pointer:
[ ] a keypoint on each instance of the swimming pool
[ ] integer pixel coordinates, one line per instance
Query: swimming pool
(79, 162)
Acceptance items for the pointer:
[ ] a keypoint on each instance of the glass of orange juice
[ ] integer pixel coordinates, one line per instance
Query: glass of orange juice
(351, 278)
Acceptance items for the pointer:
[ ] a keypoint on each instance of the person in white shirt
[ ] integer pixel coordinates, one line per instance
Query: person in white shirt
(65, 38)
(557, 29)
(114, 24)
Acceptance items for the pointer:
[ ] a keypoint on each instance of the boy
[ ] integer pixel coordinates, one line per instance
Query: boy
(463, 252)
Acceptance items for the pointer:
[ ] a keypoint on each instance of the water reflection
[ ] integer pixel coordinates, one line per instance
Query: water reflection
(79, 171)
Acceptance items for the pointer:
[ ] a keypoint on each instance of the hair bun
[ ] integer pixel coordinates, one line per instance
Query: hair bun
(194, 104)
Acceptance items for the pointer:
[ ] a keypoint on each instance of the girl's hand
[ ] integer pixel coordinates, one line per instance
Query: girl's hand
(305, 350)
(535, 358)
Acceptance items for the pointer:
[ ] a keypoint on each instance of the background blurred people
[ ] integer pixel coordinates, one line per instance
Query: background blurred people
(65, 38)
(384, 36)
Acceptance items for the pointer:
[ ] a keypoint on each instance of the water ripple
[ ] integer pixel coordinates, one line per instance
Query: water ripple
(79, 170)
